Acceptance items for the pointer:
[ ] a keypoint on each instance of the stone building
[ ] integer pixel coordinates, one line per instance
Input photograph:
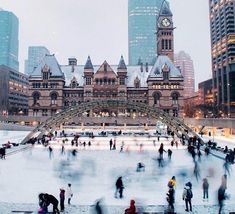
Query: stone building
(54, 87)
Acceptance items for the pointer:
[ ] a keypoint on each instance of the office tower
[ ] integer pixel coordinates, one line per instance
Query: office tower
(185, 63)
(142, 22)
(222, 24)
(35, 56)
(9, 44)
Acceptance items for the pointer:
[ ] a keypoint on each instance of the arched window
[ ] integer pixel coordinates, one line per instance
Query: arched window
(53, 98)
(156, 98)
(36, 97)
(175, 98)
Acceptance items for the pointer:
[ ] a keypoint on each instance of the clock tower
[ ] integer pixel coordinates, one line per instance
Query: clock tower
(165, 32)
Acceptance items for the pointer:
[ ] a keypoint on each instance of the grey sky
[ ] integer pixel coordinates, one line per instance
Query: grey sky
(99, 28)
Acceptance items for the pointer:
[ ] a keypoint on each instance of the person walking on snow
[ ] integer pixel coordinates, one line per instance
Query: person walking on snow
(187, 196)
(69, 193)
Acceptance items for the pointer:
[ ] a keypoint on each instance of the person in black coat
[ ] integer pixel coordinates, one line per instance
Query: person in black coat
(171, 198)
(119, 187)
(221, 197)
(50, 199)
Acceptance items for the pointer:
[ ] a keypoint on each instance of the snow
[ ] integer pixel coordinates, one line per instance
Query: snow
(94, 171)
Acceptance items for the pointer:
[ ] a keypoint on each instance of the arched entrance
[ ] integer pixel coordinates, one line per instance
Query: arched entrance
(175, 124)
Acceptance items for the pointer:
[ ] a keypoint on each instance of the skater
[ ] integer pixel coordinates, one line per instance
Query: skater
(172, 182)
(196, 170)
(114, 144)
(226, 167)
(62, 198)
(110, 144)
(140, 167)
(199, 154)
(131, 209)
(49, 199)
(205, 187)
(171, 199)
(122, 147)
(161, 150)
(169, 154)
(50, 152)
(119, 187)
(187, 196)
(89, 143)
(69, 193)
(221, 197)
(62, 150)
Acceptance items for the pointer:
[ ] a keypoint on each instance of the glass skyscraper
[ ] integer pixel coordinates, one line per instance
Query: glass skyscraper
(9, 43)
(35, 56)
(222, 24)
(142, 27)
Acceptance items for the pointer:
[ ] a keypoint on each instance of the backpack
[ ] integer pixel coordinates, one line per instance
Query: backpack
(189, 194)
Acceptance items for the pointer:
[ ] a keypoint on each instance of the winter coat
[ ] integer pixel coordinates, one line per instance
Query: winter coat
(69, 192)
(131, 209)
(62, 194)
(171, 196)
(50, 199)
(221, 194)
(186, 193)
(205, 184)
(119, 183)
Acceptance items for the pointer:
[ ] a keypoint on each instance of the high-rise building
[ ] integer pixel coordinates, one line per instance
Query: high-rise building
(185, 63)
(35, 56)
(222, 24)
(142, 22)
(9, 44)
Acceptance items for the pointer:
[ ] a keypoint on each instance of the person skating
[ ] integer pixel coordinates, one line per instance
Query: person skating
(161, 150)
(205, 187)
(169, 154)
(50, 152)
(171, 199)
(119, 187)
(131, 209)
(69, 193)
(110, 144)
(62, 198)
(187, 196)
(222, 196)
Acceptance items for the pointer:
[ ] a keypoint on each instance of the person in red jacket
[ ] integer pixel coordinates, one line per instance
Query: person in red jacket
(131, 209)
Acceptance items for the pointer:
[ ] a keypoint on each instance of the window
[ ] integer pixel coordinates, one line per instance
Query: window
(53, 98)
(122, 81)
(156, 98)
(165, 75)
(175, 98)
(88, 81)
(45, 85)
(35, 112)
(36, 97)
(45, 75)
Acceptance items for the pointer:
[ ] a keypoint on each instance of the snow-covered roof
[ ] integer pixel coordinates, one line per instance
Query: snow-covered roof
(132, 73)
(52, 63)
(162, 61)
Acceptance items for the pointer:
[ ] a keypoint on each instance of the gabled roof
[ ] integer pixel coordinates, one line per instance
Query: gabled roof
(165, 9)
(88, 64)
(104, 71)
(122, 64)
(52, 63)
(160, 63)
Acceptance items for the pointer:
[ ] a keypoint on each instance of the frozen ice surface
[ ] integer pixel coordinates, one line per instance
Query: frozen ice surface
(94, 171)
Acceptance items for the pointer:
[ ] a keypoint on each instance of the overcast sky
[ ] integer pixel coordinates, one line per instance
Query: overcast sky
(99, 28)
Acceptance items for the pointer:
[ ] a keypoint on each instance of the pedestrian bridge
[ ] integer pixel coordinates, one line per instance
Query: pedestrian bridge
(52, 123)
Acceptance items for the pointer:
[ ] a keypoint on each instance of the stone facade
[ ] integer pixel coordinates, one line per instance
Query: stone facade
(54, 87)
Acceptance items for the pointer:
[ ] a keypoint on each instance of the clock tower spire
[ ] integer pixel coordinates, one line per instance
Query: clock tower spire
(165, 32)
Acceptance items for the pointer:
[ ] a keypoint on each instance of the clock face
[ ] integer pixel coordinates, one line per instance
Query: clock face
(166, 22)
